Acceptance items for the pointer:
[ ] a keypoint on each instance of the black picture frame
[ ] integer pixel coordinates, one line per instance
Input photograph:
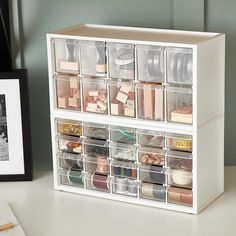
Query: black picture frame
(18, 77)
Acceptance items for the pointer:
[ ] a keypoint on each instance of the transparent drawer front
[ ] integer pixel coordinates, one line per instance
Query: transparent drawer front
(180, 196)
(179, 160)
(69, 127)
(180, 178)
(95, 130)
(179, 142)
(125, 186)
(151, 156)
(72, 177)
(69, 144)
(124, 169)
(66, 53)
(93, 58)
(179, 65)
(94, 95)
(150, 138)
(122, 134)
(121, 61)
(98, 164)
(179, 105)
(68, 92)
(153, 174)
(97, 182)
(122, 99)
(150, 101)
(150, 60)
(68, 160)
(123, 151)
(96, 148)
(153, 191)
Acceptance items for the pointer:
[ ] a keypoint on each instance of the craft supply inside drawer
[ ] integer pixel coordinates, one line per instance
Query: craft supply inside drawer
(125, 186)
(66, 55)
(98, 182)
(122, 134)
(67, 92)
(151, 138)
(179, 142)
(180, 196)
(69, 144)
(123, 169)
(72, 177)
(68, 160)
(69, 127)
(122, 151)
(95, 147)
(121, 61)
(151, 156)
(95, 130)
(152, 191)
(93, 58)
(152, 174)
(99, 164)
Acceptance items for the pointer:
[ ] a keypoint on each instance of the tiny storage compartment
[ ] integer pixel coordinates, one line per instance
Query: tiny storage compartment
(66, 55)
(152, 191)
(179, 105)
(179, 142)
(98, 182)
(179, 65)
(67, 92)
(180, 169)
(151, 138)
(72, 177)
(180, 196)
(122, 134)
(94, 95)
(123, 169)
(150, 101)
(96, 148)
(95, 130)
(122, 151)
(99, 164)
(93, 58)
(152, 173)
(125, 186)
(69, 144)
(68, 160)
(69, 127)
(151, 156)
(121, 59)
(150, 63)
(122, 98)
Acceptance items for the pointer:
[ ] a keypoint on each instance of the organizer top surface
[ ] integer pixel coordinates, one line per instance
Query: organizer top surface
(137, 34)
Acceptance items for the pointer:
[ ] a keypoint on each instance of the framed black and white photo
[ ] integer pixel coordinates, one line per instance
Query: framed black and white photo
(15, 144)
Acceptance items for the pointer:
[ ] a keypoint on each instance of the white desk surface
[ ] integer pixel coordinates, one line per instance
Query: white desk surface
(42, 211)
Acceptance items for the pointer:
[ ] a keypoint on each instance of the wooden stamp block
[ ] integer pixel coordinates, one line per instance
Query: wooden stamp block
(148, 99)
(90, 99)
(125, 88)
(62, 102)
(159, 110)
(74, 82)
(181, 118)
(91, 109)
(116, 109)
(74, 102)
(130, 103)
(122, 97)
(129, 112)
(102, 105)
(92, 105)
(67, 65)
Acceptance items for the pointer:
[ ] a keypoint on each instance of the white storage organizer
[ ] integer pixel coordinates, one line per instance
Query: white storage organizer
(137, 115)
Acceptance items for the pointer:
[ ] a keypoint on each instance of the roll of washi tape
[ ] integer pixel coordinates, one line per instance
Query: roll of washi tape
(182, 177)
(132, 187)
(159, 192)
(174, 195)
(147, 190)
(157, 175)
(102, 165)
(100, 182)
(74, 175)
(186, 196)
(121, 185)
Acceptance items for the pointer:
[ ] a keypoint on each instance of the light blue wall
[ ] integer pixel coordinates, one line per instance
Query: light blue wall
(39, 17)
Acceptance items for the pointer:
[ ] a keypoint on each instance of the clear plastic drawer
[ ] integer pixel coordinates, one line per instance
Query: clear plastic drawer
(99, 164)
(179, 142)
(151, 138)
(95, 148)
(123, 151)
(180, 196)
(97, 182)
(95, 130)
(123, 169)
(73, 177)
(68, 160)
(122, 134)
(152, 174)
(69, 127)
(69, 144)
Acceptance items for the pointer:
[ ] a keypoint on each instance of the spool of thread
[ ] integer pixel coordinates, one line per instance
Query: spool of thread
(102, 165)
(182, 177)
(99, 182)
(128, 171)
(181, 196)
(132, 187)
(157, 175)
(147, 190)
(154, 63)
(117, 170)
(121, 185)
(186, 197)
(174, 195)
(159, 192)
(74, 175)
